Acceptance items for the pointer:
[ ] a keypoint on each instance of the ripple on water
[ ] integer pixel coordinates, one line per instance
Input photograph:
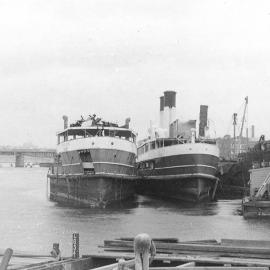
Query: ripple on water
(30, 222)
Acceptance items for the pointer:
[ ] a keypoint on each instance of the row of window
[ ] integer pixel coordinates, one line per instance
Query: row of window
(62, 138)
(156, 144)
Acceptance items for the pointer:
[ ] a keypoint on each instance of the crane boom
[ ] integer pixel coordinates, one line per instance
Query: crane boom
(242, 124)
(244, 116)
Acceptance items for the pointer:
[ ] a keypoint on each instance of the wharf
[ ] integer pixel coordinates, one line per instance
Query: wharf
(163, 254)
(258, 203)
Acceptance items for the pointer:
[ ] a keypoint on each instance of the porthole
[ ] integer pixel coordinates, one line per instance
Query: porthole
(93, 143)
(112, 143)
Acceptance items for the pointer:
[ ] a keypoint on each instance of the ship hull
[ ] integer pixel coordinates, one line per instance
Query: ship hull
(91, 190)
(194, 189)
(93, 172)
(184, 172)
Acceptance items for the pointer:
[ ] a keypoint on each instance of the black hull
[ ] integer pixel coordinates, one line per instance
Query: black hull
(189, 177)
(194, 189)
(91, 190)
(235, 174)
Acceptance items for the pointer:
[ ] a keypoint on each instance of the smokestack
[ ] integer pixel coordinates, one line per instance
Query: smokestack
(65, 118)
(252, 131)
(203, 120)
(161, 112)
(169, 108)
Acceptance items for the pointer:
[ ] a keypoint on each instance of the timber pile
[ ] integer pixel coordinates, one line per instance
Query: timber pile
(227, 251)
(226, 247)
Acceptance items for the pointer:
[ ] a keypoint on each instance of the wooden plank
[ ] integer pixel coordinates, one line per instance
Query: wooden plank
(245, 243)
(166, 240)
(171, 240)
(216, 251)
(23, 254)
(210, 268)
(189, 264)
(79, 264)
(219, 254)
(206, 241)
(6, 259)
(216, 254)
(188, 258)
(195, 247)
(201, 253)
(115, 265)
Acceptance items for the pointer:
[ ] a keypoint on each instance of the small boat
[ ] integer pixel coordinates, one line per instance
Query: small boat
(173, 162)
(95, 163)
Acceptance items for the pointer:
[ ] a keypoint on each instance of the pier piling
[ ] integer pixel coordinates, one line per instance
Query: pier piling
(143, 249)
(75, 246)
(5, 260)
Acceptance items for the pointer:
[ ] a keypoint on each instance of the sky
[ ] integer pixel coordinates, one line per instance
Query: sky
(115, 58)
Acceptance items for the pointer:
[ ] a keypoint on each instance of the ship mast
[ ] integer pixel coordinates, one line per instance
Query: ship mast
(234, 137)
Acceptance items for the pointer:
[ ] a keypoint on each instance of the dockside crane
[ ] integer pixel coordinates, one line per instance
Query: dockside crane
(242, 124)
(237, 151)
(244, 117)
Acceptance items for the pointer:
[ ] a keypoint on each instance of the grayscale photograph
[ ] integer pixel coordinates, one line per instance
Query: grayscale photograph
(134, 134)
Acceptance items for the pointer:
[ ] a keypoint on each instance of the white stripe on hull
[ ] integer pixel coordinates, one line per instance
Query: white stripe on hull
(113, 163)
(114, 174)
(183, 166)
(181, 176)
(101, 162)
(111, 143)
(180, 149)
(90, 176)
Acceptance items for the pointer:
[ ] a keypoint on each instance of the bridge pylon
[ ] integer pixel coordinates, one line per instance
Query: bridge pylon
(19, 159)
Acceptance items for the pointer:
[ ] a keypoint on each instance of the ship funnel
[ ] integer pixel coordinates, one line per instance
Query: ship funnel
(161, 112)
(252, 131)
(203, 120)
(127, 122)
(65, 118)
(169, 108)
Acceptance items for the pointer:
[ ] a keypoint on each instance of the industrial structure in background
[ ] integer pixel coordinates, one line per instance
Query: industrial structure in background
(231, 147)
(238, 156)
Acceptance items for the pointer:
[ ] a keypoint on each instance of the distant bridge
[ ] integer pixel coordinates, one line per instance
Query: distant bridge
(20, 156)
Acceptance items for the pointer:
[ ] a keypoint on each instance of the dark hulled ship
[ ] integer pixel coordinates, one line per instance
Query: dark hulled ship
(235, 174)
(95, 163)
(173, 162)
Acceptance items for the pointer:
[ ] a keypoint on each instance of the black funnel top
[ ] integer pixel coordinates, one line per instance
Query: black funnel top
(169, 99)
(162, 103)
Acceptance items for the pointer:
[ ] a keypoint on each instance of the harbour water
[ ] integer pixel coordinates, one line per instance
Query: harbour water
(29, 222)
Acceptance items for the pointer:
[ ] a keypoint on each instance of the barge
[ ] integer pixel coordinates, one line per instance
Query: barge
(258, 202)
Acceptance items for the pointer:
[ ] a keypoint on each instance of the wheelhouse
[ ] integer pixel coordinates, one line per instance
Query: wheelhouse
(75, 133)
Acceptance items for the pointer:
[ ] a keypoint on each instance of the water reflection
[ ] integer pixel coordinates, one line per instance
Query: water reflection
(222, 207)
(186, 208)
